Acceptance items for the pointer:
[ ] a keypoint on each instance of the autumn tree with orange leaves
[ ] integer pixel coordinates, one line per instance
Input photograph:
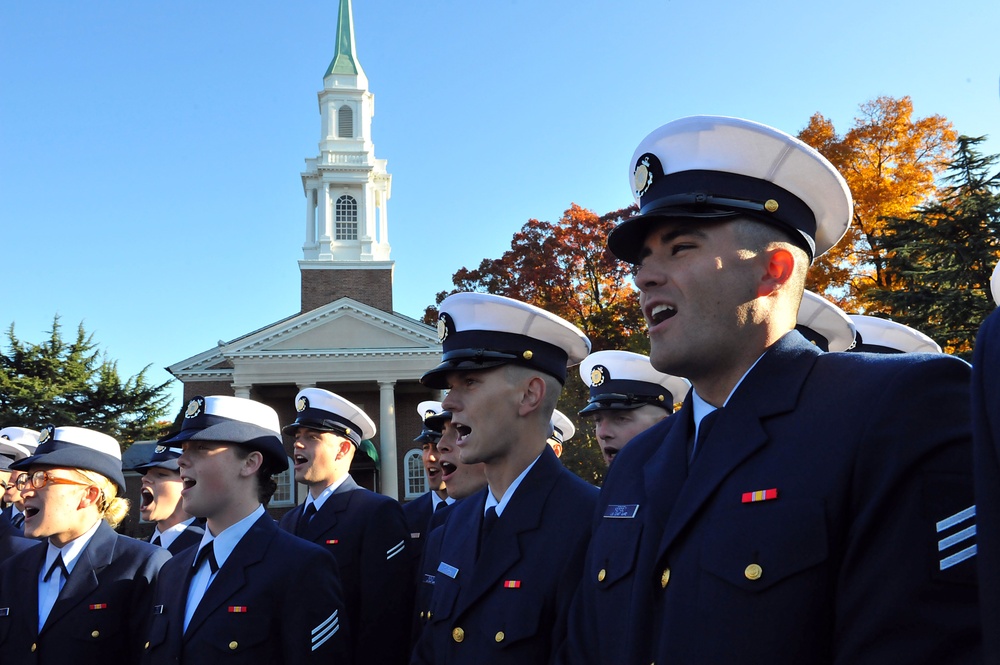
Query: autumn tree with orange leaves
(565, 268)
(889, 160)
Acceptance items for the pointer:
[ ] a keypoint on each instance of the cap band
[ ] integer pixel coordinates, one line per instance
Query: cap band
(490, 347)
(325, 421)
(720, 195)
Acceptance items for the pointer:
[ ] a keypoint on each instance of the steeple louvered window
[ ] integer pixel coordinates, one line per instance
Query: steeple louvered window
(345, 122)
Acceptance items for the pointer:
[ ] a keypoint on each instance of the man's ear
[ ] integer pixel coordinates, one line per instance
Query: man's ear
(779, 269)
(532, 395)
(346, 448)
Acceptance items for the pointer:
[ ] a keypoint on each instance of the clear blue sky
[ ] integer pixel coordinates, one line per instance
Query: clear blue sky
(150, 152)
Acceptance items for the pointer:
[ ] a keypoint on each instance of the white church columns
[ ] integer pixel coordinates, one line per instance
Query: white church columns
(387, 437)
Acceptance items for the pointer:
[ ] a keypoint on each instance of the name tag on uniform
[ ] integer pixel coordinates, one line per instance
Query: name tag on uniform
(447, 569)
(4, 611)
(625, 512)
(158, 609)
(428, 579)
(414, 536)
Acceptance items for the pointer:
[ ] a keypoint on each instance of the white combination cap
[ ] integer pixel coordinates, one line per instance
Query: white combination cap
(876, 335)
(824, 324)
(481, 330)
(626, 380)
(718, 168)
(325, 411)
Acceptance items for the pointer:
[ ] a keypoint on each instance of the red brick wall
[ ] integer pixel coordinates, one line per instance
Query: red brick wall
(371, 287)
(203, 388)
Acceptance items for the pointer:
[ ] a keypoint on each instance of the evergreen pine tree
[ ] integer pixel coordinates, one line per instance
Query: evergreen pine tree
(74, 384)
(943, 254)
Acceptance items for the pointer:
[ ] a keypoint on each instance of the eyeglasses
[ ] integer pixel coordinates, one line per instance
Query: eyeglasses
(40, 479)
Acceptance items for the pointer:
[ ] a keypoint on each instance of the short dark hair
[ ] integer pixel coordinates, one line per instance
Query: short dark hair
(266, 484)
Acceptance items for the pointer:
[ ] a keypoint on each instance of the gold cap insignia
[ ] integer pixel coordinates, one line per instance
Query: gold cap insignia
(642, 177)
(47, 433)
(301, 404)
(160, 449)
(597, 375)
(443, 326)
(194, 407)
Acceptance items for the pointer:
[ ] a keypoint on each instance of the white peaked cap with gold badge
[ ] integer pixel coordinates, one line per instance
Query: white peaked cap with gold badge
(626, 380)
(717, 168)
(325, 411)
(481, 331)
(824, 324)
(77, 448)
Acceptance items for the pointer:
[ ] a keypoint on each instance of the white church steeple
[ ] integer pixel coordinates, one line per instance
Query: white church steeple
(346, 188)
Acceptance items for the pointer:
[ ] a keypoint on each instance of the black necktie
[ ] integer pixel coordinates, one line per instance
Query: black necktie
(56, 565)
(305, 519)
(156, 540)
(18, 521)
(489, 520)
(207, 552)
(441, 504)
(704, 427)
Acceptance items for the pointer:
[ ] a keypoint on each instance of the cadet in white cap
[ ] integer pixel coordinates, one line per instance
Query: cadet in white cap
(986, 451)
(15, 443)
(366, 532)
(771, 519)
(462, 481)
(562, 431)
(248, 592)
(81, 595)
(878, 335)
(627, 396)
(510, 555)
(160, 501)
(429, 509)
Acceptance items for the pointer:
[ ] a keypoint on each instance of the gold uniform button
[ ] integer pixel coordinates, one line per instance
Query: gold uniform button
(233, 645)
(770, 205)
(753, 572)
(34, 647)
(147, 645)
(499, 637)
(421, 614)
(95, 634)
(458, 634)
(601, 575)
(664, 578)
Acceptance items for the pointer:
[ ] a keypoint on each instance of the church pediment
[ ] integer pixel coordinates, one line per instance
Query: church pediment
(344, 328)
(347, 328)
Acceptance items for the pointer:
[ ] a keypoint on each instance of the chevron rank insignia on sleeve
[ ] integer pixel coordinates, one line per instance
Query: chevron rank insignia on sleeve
(395, 549)
(959, 543)
(325, 630)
